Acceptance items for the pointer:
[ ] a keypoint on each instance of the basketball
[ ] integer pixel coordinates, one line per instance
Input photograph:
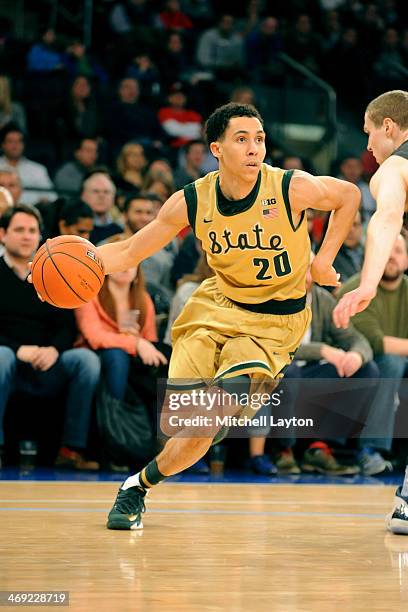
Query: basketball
(67, 271)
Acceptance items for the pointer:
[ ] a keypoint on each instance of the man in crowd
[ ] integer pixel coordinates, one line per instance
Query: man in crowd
(36, 341)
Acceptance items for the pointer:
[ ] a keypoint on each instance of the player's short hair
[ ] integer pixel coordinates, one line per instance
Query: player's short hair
(217, 123)
(27, 209)
(392, 104)
(72, 211)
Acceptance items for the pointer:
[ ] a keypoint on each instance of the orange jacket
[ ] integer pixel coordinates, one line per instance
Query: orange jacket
(99, 331)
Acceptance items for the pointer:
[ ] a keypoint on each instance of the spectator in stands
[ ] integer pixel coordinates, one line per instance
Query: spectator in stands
(81, 115)
(221, 49)
(389, 68)
(36, 341)
(262, 46)
(76, 219)
(127, 14)
(77, 62)
(145, 72)
(292, 162)
(131, 165)
(172, 18)
(349, 259)
(190, 169)
(107, 326)
(186, 259)
(10, 111)
(327, 352)
(139, 210)
(180, 124)
(69, 176)
(173, 60)
(98, 191)
(10, 180)
(161, 169)
(128, 119)
(304, 44)
(44, 55)
(351, 169)
(6, 200)
(34, 176)
(384, 324)
(162, 187)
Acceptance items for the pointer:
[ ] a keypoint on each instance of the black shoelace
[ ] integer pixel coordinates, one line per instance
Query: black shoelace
(130, 501)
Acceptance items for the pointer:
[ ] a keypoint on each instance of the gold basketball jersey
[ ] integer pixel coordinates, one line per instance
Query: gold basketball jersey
(256, 251)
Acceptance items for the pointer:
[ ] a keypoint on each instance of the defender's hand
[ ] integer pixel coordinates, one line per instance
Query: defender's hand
(350, 304)
(324, 274)
(30, 280)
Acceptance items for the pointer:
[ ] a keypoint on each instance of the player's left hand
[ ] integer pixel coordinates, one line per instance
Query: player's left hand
(30, 280)
(324, 274)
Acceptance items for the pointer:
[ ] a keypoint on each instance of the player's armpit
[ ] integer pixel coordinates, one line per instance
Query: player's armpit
(322, 193)
(171, 219)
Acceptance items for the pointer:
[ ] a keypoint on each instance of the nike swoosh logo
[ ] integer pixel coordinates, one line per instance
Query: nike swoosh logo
(207, 220)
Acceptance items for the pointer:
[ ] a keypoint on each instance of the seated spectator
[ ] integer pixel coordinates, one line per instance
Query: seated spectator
(145, 72)
(98, 191)
(127, 14)
(162, 187)
(69, 177)
(349, 259)
(76, 219)
(179, 123)
(190, 170)
(186, 259)
(384, 324)
(10, 180)
(262, 47)
(81, 114)
(131, 165)
(173, 61)
(10, 111)
(139, 210)
(36, 341)
(77, 62)
(161, 169)
(122, 342)
(44, 55)
(34, 176)
(220, 49)
(304, 44)
(128, 119)
(243, 95)
(6, 201)
(172, 18)
(351, 169)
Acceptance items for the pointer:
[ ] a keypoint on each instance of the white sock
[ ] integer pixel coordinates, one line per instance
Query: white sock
(404, 491)
(132, 481)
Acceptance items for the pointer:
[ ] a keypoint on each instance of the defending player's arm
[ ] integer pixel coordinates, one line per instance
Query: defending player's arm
(128, 254)
(328, 194)
(389, 187)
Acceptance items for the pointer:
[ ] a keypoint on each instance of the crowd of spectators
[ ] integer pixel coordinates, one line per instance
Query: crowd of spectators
(97, 139)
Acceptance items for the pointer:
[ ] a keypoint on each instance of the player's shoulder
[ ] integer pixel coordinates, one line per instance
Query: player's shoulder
(394, 166)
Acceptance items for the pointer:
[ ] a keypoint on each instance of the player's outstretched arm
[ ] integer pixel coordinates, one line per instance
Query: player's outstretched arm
(328, 194)
(128, 254)
(389, 187)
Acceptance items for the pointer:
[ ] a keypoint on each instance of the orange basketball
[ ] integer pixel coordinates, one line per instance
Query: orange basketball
(67, 271)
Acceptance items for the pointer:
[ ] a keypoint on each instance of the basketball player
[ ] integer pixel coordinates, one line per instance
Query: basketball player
(248, 320)
(386, 123)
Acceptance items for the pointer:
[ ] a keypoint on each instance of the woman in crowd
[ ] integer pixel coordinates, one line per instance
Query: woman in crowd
(131, 165)
(120, 324)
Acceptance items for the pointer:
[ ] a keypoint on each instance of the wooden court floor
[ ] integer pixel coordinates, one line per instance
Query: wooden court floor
(283, 547)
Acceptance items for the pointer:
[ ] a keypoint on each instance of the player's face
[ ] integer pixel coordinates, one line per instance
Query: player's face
(378, 143)
(22, 237)
(139, 214)
(242, 148)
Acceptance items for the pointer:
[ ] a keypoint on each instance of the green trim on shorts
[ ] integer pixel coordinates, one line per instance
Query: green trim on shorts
(244, 366)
